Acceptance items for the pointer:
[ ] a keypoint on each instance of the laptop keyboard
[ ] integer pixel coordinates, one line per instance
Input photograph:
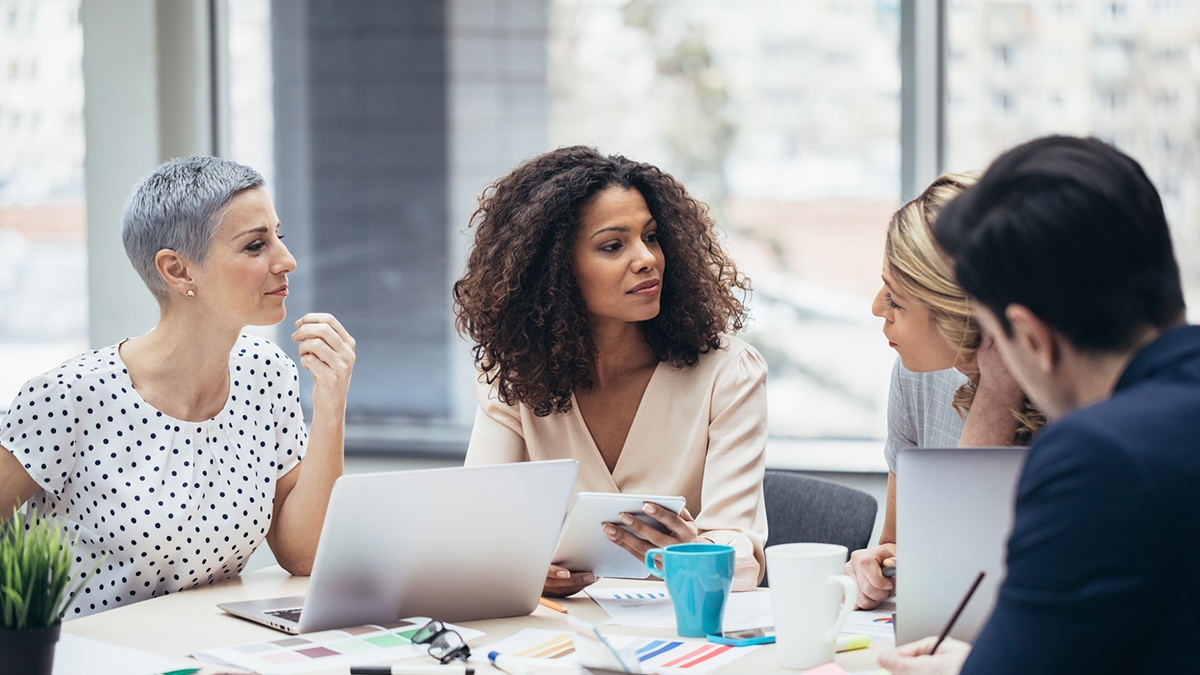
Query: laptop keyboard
(292, 615)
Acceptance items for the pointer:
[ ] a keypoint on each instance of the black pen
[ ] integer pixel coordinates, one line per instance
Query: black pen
(954, 617)
(889, 571)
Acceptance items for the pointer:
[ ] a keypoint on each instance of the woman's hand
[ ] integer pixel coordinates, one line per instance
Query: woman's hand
(995, 382)
(912, 659)
(326, 351)
(991, 421)
(561, 582)
(681, 530)
(865, 565)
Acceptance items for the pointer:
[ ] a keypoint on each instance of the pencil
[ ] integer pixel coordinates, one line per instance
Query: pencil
(954, 617)
(550, 604)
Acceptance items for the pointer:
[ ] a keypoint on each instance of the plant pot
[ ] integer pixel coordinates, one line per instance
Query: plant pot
(28, 652)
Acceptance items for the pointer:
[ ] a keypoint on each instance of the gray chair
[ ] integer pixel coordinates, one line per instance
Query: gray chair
(803, 509)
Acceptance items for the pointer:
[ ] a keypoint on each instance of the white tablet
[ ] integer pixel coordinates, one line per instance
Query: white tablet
(582, 546)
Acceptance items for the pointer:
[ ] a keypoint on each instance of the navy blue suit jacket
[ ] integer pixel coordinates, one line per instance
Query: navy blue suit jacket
(1106, 537)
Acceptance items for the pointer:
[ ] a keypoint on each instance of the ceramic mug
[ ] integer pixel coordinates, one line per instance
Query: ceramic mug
(698, 578)
(811, 599)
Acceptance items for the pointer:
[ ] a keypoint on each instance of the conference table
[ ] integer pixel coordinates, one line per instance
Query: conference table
(178, 624)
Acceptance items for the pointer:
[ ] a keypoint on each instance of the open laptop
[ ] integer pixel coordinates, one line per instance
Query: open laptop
(954, 512)
(455, 544)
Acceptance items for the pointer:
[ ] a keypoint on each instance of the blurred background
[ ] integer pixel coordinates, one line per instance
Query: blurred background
(803, 124)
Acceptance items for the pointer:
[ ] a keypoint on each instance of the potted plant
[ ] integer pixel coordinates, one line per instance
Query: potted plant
(35, 573)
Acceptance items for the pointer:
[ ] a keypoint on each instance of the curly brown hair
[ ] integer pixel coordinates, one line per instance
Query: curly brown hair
(519, 301)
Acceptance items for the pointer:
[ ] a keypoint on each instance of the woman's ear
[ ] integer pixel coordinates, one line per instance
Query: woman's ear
(175, 271)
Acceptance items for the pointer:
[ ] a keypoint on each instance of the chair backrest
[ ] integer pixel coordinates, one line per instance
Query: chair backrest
(805, 509)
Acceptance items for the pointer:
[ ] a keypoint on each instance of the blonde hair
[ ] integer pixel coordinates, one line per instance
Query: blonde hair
(920, 268)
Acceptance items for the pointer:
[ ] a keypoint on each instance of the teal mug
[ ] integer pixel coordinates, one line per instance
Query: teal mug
(698, 578)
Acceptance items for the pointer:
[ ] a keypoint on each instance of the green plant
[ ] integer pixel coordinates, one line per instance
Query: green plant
(35, 572)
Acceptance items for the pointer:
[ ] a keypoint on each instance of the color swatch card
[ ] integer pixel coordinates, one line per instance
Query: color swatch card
(650, 607)
(549, 648)
(330, 649)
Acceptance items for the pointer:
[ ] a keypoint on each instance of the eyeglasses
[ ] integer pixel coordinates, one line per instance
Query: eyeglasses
(445, 645)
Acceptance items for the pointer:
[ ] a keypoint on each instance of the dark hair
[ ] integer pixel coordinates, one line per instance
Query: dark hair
(519, 300)
(1072, 229)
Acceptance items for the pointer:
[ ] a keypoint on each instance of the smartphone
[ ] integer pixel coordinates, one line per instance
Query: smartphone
(744, 638)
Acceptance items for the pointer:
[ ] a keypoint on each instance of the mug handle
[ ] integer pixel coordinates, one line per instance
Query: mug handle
(650, 562)
(848, 601)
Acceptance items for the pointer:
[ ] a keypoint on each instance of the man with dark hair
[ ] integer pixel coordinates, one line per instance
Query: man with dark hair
(1064, 248)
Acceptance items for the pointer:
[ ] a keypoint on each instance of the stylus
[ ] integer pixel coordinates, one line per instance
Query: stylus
(400, 669)
(508, 664)
(889, 571)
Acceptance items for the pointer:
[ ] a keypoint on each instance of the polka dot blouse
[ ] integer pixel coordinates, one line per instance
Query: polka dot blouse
(169, 504)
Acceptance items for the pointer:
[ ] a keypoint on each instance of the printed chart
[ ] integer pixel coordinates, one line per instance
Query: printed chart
(875, 624)
(651, 608)
(328, 650)
(556, 649)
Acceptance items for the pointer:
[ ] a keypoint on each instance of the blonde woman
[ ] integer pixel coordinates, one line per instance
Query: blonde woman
(945, 370)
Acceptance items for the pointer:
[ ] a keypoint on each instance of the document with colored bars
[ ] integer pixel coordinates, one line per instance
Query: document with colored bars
(655, 655)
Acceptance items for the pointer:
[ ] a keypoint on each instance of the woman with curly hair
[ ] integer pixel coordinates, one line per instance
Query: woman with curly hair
(601, 307)
(945, 369)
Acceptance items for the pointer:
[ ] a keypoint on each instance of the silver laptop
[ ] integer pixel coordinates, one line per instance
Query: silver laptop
(454, 544)
(954, 512)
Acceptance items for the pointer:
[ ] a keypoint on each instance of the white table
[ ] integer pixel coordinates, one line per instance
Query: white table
(181, 623)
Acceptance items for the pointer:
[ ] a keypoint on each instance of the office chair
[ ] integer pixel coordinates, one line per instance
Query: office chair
(805, 509)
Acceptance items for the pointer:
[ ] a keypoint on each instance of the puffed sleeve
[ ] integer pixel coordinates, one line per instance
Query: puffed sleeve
(497, 437)
(732, 510)
(39, 430)
(291, 435)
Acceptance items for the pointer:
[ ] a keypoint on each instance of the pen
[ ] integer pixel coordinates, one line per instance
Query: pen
(550, 604)
(401, 669)
(889, 571)
(185, 671)
(954, 617)
(508, 664)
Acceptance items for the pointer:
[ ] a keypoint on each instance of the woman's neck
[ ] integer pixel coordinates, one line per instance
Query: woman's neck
(181, 367)
(621, 350)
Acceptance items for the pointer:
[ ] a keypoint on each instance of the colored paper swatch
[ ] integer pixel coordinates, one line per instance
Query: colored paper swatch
(330, 649)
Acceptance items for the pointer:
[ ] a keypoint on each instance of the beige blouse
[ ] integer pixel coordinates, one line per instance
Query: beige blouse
(699, 432)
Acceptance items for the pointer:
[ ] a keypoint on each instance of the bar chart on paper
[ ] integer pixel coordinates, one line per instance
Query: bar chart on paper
(652, 608)
(556, 649)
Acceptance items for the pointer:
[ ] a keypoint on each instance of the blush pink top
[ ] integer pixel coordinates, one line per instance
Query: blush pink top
(699, 432)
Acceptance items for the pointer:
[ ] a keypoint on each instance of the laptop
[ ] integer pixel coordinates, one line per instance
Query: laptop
(455, 544)
(954, 512)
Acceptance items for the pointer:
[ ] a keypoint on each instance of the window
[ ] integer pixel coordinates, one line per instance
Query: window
(43, 257)
(784, 118)
(1132, 87)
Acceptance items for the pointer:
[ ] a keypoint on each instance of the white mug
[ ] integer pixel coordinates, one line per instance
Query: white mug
(807, 589)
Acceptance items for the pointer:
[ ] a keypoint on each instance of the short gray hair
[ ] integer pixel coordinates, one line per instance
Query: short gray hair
(179, 207)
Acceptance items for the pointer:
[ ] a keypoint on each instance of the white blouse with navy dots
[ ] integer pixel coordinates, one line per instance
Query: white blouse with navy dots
(168, 504)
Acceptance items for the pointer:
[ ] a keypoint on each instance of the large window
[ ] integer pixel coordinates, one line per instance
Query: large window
(1122, 70)
(784, 117)
(43, 245)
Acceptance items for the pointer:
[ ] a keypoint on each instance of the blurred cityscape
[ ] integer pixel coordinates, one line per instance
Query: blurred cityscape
(783, 115)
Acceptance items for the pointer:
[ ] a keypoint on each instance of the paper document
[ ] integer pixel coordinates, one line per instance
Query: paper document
(651, 608)
(329, 649)
(75, 655)
(875, 623)
(555, 649)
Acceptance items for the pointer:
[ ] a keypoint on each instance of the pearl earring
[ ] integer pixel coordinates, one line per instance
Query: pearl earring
(191, 293)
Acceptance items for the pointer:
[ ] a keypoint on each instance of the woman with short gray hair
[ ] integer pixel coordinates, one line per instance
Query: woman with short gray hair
(174, 454)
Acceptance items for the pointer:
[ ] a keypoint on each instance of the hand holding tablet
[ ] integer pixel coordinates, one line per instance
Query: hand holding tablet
(584, 546)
